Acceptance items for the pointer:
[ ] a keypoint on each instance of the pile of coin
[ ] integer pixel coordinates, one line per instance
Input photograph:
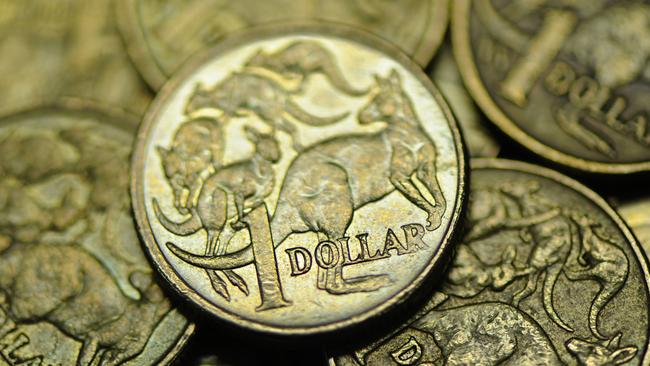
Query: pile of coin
(214, 182)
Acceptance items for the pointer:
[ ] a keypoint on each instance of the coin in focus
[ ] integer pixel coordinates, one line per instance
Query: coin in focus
(566, 79)
(545, 274)
(444, 72)
(75, 286)
(298, 202)
(163, 34)
(67, 48)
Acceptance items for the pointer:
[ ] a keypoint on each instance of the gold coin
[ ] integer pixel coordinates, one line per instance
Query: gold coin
(163, 34)
(546, 273)
(637, 215)
(444, 73)
(68, 48)
(298, 180)
(566, 79)
(75, 286)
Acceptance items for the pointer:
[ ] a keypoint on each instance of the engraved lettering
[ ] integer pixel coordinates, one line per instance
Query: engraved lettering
(413, 234)
(559, 79)
(300, 260)
(409, 353)
(393, 243)
(345, 251)
(365, 252)
(583, 91)
(327, 254)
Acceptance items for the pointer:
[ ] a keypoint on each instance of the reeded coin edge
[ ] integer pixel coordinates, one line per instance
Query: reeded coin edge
(267, 32)
(118, 117)
(128, 23)
(518, 166)
(465, 59)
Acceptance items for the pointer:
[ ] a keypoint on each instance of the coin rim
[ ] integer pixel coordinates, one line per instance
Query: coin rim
(133, 35)
(586, 192)
(119, 118)
(465, 58)
(270, 32)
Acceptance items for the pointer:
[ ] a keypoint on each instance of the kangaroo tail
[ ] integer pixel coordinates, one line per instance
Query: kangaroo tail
(305, 117)
(552, 274)
(187, 227)
(603, 297)
(334, 75)
(222, 262)
(234, 260)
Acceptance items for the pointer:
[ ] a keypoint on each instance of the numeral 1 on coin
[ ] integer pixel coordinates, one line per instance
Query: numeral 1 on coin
(265, 261)
(543, 48)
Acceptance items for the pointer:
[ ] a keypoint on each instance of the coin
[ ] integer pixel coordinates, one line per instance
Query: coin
(163, 34)
(75, 287)
(566, 79)
(302, 194)
(546, 274)
(444, 72)
(67, 48)
(637, 215)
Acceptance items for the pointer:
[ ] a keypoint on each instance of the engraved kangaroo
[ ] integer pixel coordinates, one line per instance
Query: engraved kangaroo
(469, 275)
(60, 284)
(242, 93)
(556, 242)
(606, 263)
(487, 334)
(327, 182)
(608, 353)
(249, 181)
(195, 153)
(300, 59)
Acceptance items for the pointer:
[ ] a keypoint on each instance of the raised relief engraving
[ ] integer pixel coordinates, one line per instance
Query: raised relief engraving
(485, 312)
(586, 54)
(323, 186)
(72, 276)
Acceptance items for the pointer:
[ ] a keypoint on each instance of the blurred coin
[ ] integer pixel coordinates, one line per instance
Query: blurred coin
(66, 48)
(637, 215)
(567, 79)
(545, 274)
(75, 287)
(444, 72)
(325, 141)
(162, 34)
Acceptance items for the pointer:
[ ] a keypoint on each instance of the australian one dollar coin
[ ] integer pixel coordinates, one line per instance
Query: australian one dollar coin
(298, 180)
(68, 48)
(75, 286)
(162, 34)
(568, 79)
(546, 273)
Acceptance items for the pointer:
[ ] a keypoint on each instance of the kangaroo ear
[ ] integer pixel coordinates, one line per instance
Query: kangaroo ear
(509, 254)
(162, 152)
(623, 355)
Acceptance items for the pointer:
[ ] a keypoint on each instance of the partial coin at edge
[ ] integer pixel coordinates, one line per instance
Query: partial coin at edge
(75, 286)
(545, 274)
(569, 82)
(162, 35)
